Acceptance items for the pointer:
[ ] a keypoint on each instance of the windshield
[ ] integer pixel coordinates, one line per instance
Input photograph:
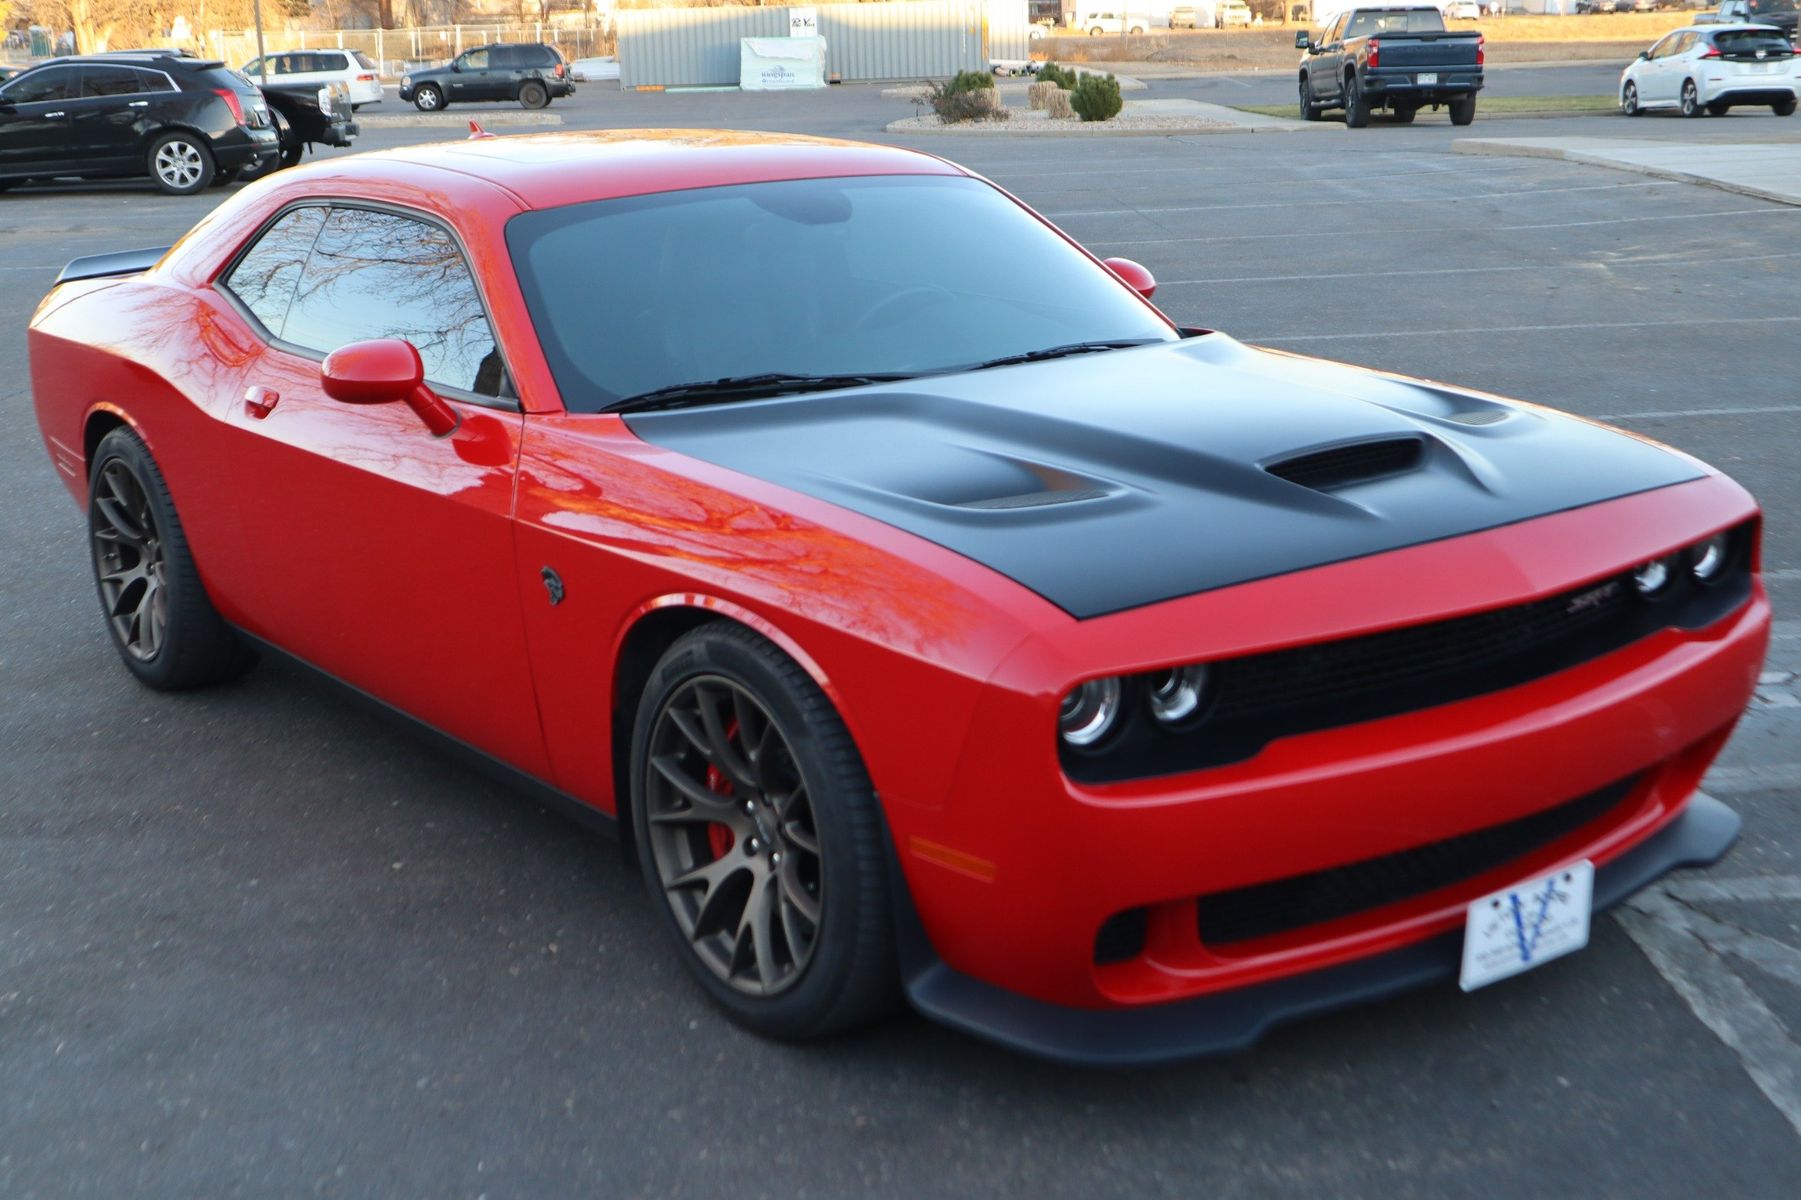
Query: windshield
(884, 275)
(1771, 6)
(1409, 20)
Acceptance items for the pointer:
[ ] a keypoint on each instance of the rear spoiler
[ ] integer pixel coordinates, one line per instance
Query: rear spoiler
(102, 266)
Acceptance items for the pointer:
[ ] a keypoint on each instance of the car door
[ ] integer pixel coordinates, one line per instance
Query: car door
(1324, 70)
(34, 119)
(469, 80)
(1655, 83)
(385, 554)
(107, 119)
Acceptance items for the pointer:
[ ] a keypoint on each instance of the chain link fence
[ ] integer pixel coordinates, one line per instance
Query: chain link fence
(398, 51)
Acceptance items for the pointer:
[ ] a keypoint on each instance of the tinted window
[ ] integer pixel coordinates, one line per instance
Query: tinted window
(503, 57)
(1748, 42)
(378, 275)
(33, 87)
(109, 81)
(265, 278)
(907, 274)
(363, 60)
(1363, 24)
(330, 61)
(154, 81)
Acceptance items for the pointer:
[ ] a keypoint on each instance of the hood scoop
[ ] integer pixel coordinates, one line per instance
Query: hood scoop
(1349, 463)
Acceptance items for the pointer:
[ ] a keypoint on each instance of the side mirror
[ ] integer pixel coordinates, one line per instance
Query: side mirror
(1643, 55)
(1133, 275)
(1303, 40)
(385, 371)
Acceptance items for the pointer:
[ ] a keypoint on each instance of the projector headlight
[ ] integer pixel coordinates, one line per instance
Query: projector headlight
(1708, 558)
(1089, 712)
(1175, 695)
(1652, 578)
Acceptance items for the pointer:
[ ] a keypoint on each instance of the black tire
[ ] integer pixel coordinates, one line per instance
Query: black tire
(181, 163)
(1783, 108)
(160, 581)
(1404, 114)
(533, 94)
(1356, 108)
(1309, 110)
(1462, 109)
(1718, 108)
(1691, 99)
(1629, 101)
(849, 975)
(225, 178)
(429, 97)
(1096, 31)
(1136, 30)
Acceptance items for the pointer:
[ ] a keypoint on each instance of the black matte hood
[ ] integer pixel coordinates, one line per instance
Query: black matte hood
(1107, 481)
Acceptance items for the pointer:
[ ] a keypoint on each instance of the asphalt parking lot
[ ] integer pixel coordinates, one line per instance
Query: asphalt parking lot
(253, 942)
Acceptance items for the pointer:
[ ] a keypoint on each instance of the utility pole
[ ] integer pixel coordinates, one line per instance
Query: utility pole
(262, 59)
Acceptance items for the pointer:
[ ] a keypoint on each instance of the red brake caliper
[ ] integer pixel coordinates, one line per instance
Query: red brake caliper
(719, 836)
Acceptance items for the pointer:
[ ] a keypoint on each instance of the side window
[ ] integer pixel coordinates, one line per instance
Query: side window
(330, 61)
(108, 81)
(475, 60)
(503, 57)
(1687, 43)
(153, 81)
(37, 87)
(379, 275)
(265, 278)
(254, 67)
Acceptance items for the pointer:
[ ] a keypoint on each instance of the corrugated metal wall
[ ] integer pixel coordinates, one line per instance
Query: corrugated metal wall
(907, 39)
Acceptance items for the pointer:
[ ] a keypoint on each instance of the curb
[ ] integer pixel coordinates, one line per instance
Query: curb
(1503, 149)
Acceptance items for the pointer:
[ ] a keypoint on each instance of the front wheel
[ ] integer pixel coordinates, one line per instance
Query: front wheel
(157, 611)
(760, 837)
(1691, 99)
(1356, 109)
(1096, 31)
(1784, 108)
(181, 164)
(1629, 101)
(427, 97)
(1462, 109)
(533, 94)
(1309, 110)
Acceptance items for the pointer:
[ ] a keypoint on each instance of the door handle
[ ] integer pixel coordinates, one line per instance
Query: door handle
(259, 401)
(138, 104)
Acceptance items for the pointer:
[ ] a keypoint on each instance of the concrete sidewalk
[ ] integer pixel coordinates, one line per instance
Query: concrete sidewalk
(1766, 170)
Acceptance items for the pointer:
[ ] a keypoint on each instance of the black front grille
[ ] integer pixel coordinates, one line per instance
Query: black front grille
(1287, 904)
(1255, 699)
(1340, 466)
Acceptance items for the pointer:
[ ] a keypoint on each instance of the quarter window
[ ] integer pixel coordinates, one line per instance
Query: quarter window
(379, 275)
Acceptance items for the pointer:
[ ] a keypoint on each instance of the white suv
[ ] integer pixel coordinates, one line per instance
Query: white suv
(1112, 21)
(1711, 68)
(1232, 13)
(352, 68)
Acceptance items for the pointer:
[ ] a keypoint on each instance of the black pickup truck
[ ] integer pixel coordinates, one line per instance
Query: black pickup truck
(306, 115)
(1401, 58)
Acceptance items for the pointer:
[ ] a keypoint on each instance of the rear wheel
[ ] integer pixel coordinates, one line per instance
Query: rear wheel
(1629, 101)
(181, 164)
(760, 837)
(1309, 110)
(533, 94)
(1137, 29)
(1691, 99)
(1356, 109)
(1462, 109)
(1784, 108)
(1096, 31)
(157, 611)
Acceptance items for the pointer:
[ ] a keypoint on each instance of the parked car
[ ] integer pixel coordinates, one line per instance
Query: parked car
(355, 70)
(1401, 58)
(186, 122)
(945, 718)
(1111, 21)
(1463, 10)
(1778, 14)
(307, 115)
(1229, 14)
(532, 73)
(1713, 68)
(1184, 17)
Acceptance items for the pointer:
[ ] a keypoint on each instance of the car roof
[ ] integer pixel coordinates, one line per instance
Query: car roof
(547, 170)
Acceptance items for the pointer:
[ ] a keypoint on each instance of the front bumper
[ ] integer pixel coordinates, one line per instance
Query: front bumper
(1234, 1021)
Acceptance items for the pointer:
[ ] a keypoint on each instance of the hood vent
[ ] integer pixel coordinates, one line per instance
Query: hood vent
(1341, 466)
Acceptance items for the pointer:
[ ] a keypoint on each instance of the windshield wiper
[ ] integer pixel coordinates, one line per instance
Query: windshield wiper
(1062, 352)
(742, 387)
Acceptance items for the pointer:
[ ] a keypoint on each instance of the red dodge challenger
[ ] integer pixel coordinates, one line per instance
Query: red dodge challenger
(930, 614)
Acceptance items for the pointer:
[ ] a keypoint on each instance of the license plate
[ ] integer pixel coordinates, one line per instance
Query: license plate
(1429, 77)
(1527, 924)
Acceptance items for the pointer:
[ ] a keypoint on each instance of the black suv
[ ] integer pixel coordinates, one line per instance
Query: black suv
(531, 73)
(186, 122)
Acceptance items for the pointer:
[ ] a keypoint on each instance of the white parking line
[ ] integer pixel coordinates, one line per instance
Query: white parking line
(1785, 573)
(1419, 230)
(1658, 260)
(1339, 201)
(1686, 948)
(1399, 333)
(1700, 412)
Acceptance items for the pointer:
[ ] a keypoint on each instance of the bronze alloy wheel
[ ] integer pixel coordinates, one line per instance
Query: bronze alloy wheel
(731, 832)
(129, 561)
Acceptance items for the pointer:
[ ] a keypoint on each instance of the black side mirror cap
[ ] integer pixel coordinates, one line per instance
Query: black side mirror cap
(1302, 40)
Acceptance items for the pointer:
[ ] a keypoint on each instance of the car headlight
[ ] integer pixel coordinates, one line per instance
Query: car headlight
(1653, 577)
(325, 99)
(1175, 695)
(1708, 558)
(406, 81)
(1089, 712)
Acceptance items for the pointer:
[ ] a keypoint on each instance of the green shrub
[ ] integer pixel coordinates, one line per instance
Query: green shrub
(1063, 77)
(1096, 98)
(969, 96)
